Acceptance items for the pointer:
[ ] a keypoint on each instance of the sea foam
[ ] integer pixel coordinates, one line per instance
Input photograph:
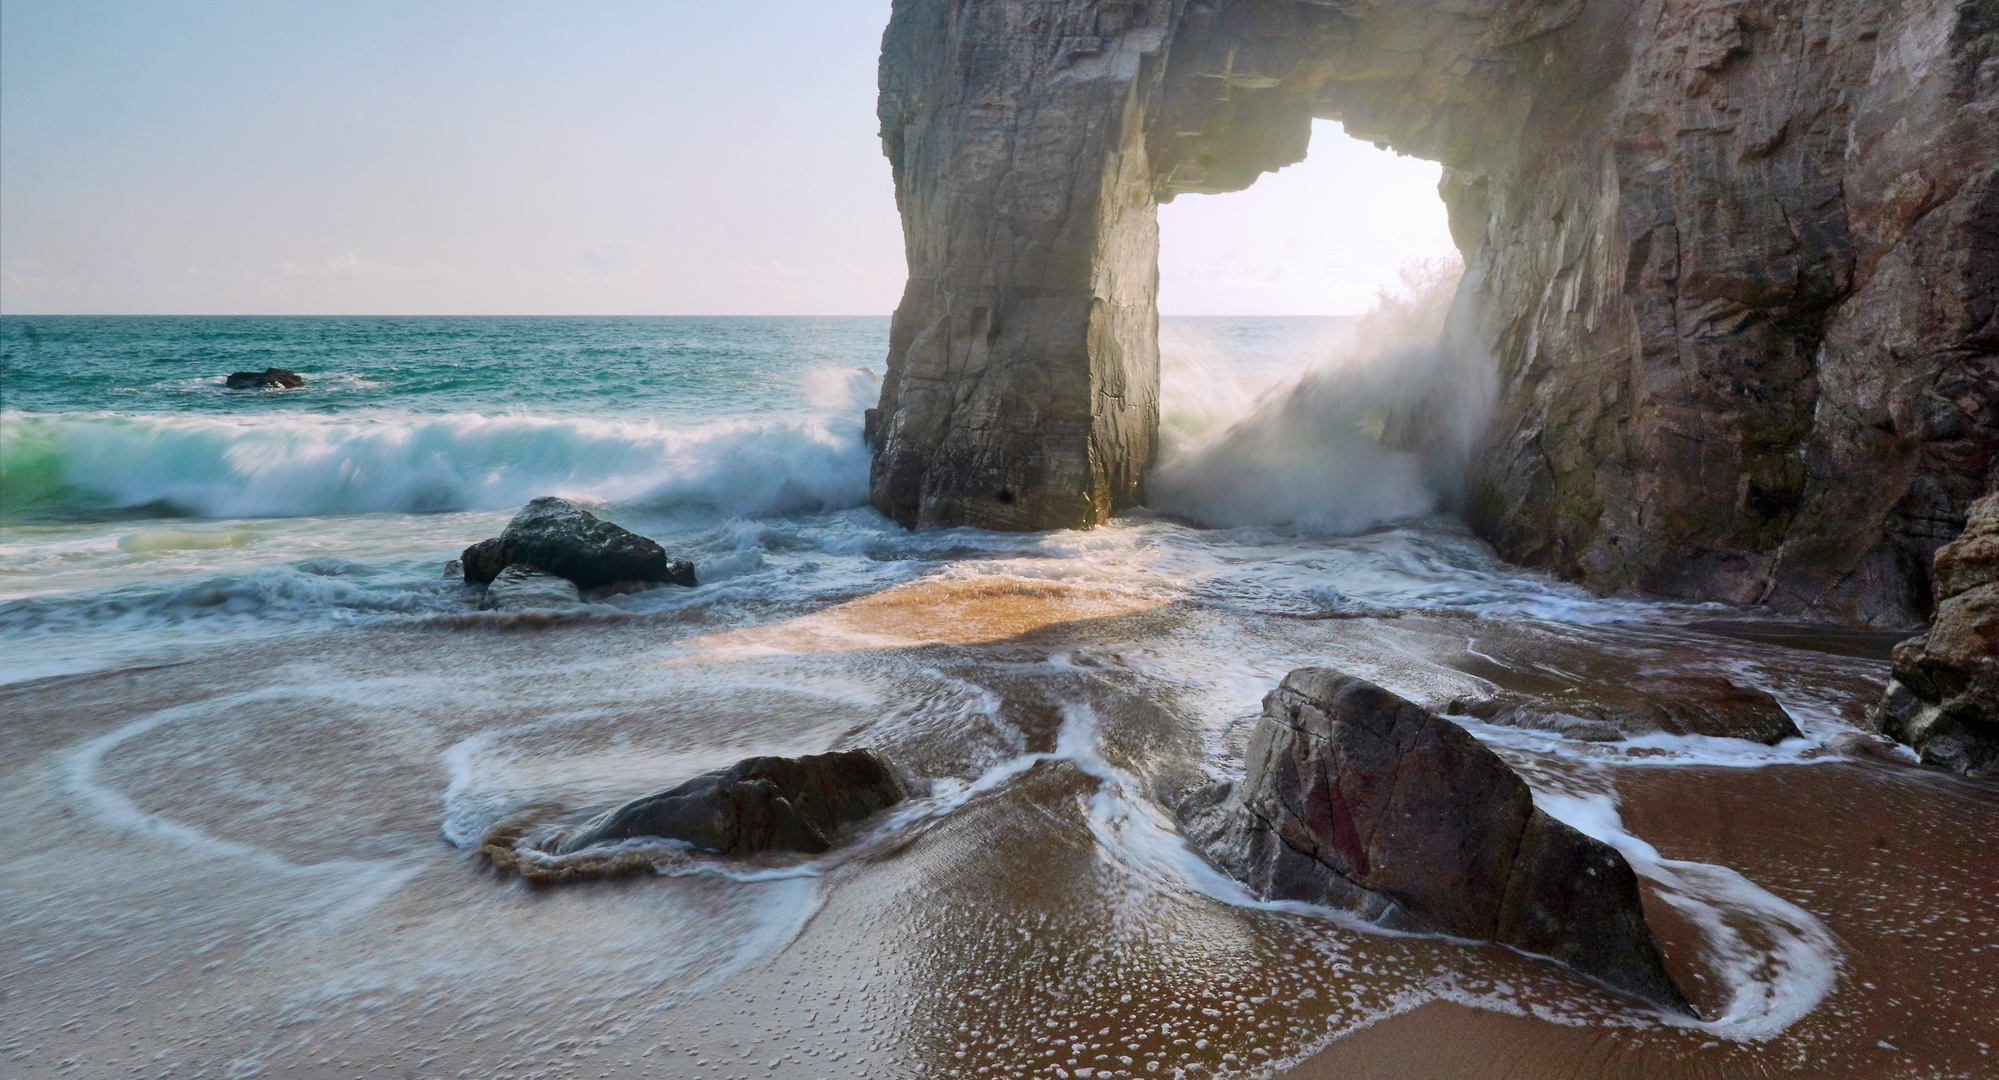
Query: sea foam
(1374, 430)
(294, 465)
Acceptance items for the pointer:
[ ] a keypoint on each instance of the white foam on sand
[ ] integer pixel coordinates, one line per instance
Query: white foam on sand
(1777, 959)
(343, 888)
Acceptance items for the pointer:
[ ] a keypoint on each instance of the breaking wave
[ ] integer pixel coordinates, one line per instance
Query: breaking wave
(1374, 432)
(294, 465)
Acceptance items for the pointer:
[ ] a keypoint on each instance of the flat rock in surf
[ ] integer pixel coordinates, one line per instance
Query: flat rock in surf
(276, 378)
(757, 804)
(1605, 712)
(522, 587)
(568, 542)
(1360, 800)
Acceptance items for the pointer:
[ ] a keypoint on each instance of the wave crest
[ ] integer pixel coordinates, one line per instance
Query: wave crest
(298, 465)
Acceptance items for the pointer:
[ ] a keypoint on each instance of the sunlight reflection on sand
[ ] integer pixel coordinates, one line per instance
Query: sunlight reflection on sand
(949, 610)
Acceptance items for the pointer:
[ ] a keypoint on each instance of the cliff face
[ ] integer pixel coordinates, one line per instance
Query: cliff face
(1023, 372)
(1736, 261)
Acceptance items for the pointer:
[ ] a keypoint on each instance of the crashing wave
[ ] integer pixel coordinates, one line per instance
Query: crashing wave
(295, 465)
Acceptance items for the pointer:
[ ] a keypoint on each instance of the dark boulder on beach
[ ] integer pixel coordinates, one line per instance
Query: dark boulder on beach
(563, 540)
(1942, 697)
(1675, 705)
(1357, 799)
(276, 378)
(757, 804)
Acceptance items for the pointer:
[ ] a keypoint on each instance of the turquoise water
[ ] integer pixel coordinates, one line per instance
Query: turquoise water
(344, 702)
(144, 507)
(399, 414)
(661, 369)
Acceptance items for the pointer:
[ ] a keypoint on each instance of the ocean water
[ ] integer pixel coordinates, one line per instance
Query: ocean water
(267, 820)
(145, 508)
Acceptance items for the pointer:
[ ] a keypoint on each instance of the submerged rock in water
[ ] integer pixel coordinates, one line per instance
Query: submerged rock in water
(757, 804)
(568, 542)
(1943, 694)
(275, 378)
(1680, 705)
(521, 587)
(1360, 800)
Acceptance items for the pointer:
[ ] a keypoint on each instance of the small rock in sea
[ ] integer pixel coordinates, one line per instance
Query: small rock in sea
(276, 378)
(1360, 800)
(757, 804)
(522, 587)
(1943, 694)
(562, 540)
(1676, 705)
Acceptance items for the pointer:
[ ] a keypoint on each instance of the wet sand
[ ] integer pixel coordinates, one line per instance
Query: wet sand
(225, 870)
(1896, 861)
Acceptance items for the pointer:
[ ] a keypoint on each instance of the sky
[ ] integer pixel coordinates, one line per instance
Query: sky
(601, 158)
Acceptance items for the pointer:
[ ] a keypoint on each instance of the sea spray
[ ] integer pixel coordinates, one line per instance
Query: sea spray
(294, 465)
(1376, 431)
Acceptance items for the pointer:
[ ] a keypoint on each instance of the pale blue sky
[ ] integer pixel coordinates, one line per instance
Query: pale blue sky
(670, 157)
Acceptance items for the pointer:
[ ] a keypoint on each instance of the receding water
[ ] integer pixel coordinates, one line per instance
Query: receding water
(254, 734)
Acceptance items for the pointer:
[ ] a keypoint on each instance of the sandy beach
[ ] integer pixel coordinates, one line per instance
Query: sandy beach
(241, 868)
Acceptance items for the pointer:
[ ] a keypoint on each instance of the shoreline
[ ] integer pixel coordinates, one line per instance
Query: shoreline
(1001, 928)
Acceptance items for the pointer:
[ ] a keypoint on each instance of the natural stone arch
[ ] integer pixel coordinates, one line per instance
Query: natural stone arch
(1735, 260)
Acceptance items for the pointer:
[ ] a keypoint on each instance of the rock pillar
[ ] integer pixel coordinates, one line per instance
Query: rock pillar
(1023, 373)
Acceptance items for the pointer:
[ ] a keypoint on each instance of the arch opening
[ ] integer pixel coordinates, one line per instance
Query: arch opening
(1301, 334)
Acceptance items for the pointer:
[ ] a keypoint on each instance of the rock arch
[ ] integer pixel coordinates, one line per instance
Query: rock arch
(1736, 261)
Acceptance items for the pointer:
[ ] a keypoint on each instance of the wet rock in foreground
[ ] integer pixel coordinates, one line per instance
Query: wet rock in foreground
(1683, 705)
(1360, 800)
(1943, 695)
(757, 804)
(560, 539)
(276, 378)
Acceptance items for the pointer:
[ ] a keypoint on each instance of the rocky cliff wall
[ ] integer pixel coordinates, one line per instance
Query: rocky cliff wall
(1023, 371)
(1736, 261)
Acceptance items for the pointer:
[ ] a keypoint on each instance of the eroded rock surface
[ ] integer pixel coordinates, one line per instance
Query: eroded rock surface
(1681, 705)
(1943, 696)
(758, 804)
(1022, 389)
(557, 538)
(1736, 262)
(1357, 799)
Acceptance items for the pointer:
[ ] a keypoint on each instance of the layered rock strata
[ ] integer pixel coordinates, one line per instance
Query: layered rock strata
(1943, 696)
(1357, 799)
(1736, 262)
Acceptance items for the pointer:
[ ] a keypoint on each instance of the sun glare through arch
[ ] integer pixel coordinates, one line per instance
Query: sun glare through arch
(1321, 237)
